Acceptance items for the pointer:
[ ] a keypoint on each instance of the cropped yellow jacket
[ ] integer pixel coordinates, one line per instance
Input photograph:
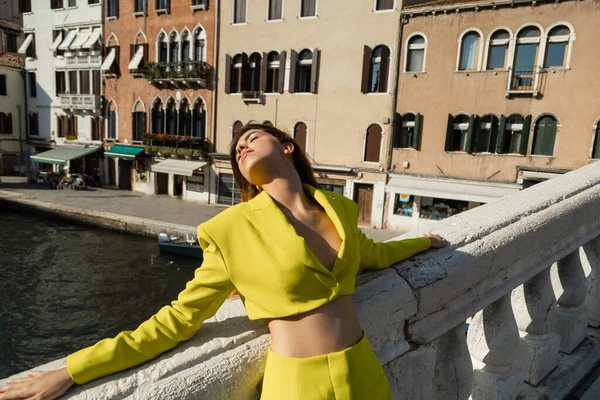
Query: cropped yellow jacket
(253, 248)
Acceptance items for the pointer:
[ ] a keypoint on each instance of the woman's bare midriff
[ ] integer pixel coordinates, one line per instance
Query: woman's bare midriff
(332, 327)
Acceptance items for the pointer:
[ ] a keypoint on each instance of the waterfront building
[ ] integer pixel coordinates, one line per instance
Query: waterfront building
(323, 71)
(62, 50)
(492, 98)
(159, 95)
(12, 91)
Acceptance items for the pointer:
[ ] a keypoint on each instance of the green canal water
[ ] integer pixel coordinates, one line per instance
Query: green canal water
(64, 286)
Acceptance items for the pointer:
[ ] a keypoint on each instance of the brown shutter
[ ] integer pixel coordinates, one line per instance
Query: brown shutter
(449, 132)
(131, 51)
(281, 82)
(300, 135)
(228, 65)
(373, 143)
(116, 68)
(145, 59)
(84, 81)
(293, 64)
(366, 71)
(263, 73)
(96, 83)
(382, 85)
(245, 83)
(314, 76)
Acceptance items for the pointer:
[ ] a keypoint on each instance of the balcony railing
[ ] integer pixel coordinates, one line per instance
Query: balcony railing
(523, 80)
(84, 61)
(86, 102)
(189, 73)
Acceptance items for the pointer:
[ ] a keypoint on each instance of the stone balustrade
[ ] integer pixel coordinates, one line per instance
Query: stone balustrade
(526, 267)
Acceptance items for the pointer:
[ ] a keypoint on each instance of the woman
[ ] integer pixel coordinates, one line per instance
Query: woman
(292, 252)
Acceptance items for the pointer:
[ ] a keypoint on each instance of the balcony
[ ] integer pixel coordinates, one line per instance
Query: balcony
(81, 102)
(180, 74)
(523, 80)
(88, 61)
(165, 145)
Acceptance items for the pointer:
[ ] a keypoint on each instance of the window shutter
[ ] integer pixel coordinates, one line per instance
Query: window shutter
(449, 129)
(293, 62)
(145, 57)
(366, 71)
(471, 133)
(263, 73)
(116, 64)
(314, 77)
(550, 137)
(245, 84)
(501, 134)
(525, 135)
(416, 142)
(142, 127)
(382, 84)
(228, 65)
(493, 136)
(131, 51)
(281, 82)
(397, 130)
(9, 123)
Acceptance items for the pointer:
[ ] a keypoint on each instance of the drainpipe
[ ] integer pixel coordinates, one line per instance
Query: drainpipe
(26, 98)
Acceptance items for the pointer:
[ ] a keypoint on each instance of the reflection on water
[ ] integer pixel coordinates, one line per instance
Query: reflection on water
(64, 287)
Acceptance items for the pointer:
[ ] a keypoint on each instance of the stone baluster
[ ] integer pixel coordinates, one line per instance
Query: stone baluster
(453, 376)
(493, 342)
(591, 264)
(571, 316)
(534, 306)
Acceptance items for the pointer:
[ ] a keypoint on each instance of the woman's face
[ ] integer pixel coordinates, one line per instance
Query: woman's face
(259, 154)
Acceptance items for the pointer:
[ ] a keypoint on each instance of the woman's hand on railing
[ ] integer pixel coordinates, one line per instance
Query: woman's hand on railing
(38, 386)
(436, 240)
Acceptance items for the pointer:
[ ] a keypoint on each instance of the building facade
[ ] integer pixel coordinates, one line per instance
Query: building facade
(491, 99)
(159, 87)
(12, 93)
(321, 70)
(62, 49)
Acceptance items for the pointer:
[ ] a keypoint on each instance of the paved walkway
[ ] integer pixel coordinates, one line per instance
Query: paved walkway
(160, 208)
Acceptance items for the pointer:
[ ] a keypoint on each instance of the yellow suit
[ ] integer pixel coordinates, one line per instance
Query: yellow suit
(253, 248)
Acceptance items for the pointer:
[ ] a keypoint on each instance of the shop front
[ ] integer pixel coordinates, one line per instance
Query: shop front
(128, 168)
(81, 160)
(183, 179)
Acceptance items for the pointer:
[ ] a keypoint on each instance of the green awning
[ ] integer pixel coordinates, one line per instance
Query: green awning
(126, 152)
(60, 155)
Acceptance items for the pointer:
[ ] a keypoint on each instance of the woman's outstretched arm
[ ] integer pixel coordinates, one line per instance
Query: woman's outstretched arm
(200, 300)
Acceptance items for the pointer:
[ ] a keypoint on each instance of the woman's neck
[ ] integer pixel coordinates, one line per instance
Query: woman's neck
(289, 194)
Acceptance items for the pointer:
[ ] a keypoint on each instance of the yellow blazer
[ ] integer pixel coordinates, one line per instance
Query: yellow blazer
(253, 248)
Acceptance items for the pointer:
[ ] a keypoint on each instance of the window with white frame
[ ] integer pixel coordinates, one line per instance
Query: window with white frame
(469, 51)
(381, 5)
(376, 64)
(139, 6)
(199, 45)
(236, 74)
(255, 69)
(275, 11)
(415, 54)
(239, 11)
(171, 118)
(199, 119)
(163, 5)
(173, 47)
(487, 134)
(185, 46)
(544, 136)
(304, 72)
(557, 47)
(111, 120)
(111, 8)
(158, 117)
(273, 72)
(512, 133)
(527, 49)
(185, 118)
(460, 129)
(498, 50)
(138, 121)
(162, 48)
(407, 132)
(308, 8)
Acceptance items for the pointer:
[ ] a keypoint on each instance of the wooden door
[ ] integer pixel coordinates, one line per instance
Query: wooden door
(363, 196)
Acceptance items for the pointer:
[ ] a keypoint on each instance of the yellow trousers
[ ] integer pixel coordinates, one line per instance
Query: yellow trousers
(351, 374)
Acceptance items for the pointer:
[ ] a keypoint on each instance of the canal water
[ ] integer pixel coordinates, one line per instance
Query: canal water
(64, 286)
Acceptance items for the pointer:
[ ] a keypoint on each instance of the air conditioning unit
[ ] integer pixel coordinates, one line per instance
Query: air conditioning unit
(253, 96)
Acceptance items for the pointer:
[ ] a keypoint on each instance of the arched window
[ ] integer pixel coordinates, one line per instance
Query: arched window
(487, 134)
(513, 132)
(199, 45)
(596, 148)
(138, 121)
(407, 131)
(268, 123)
(304, 71)
(185, 118)
(185, 47)
(498, 49)
(469, 51)
(255, 68)
(373, 143)
(173, 48)
(236, 128)
(460, 130)
(415, 54)
(171, 118)
(199, 119)
(380, 63)
(526, 58)
(158, 117)
(111, 120)
(300, 131)
(544, 136)
(236, 74)
(273, 72)
(161, 48)
(557, 47)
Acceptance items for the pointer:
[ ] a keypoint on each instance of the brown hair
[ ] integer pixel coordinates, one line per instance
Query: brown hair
(248, 190)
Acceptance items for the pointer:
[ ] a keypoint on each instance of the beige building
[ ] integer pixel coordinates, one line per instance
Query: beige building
(324, 72)
(492, 98)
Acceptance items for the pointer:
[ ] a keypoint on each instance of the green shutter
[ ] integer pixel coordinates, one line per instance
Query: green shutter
(416, 142)
(501, 134)
(549, 137)
(397, 130)
(493, 135)
(473, 122)
(525, 135)
(449, 129)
